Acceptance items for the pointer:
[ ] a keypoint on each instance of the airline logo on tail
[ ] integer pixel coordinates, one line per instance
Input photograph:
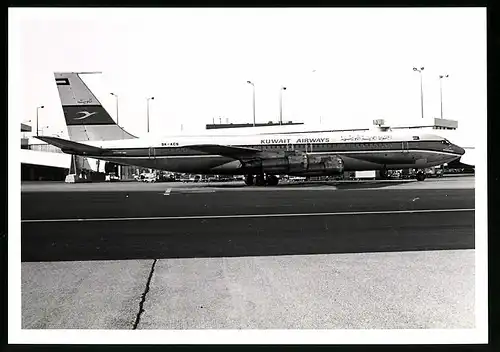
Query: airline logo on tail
(85, 115)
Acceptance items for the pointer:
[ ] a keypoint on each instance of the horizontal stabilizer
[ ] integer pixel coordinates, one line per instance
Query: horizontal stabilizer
(228, 151)
(71, 147)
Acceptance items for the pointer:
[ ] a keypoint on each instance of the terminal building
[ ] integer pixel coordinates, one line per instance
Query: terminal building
(214, 126)
(44, 162)
(432, 124)
(429, 124)
(40, 161)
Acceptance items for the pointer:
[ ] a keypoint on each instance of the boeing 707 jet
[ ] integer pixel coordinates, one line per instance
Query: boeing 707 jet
(93, 133)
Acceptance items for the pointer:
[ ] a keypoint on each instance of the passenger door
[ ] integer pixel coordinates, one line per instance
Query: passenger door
(151, 153)
(404, 147)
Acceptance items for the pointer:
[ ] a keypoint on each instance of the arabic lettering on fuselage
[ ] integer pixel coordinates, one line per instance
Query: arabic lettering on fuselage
(365, 138)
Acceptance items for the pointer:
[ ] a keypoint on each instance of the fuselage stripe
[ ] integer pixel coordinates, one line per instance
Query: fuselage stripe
(153, 156)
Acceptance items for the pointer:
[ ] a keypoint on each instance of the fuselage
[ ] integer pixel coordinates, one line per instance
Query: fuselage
(368, 150)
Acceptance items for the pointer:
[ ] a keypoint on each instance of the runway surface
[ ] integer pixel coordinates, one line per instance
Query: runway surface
(222, 256)
(216, 224)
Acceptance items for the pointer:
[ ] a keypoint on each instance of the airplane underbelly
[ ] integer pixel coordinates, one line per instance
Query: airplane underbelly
(195, 164)
(375, 160)
(140, 162)
(394, 160)
(351, 163)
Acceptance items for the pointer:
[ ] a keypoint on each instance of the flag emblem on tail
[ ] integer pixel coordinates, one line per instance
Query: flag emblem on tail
(62, 81)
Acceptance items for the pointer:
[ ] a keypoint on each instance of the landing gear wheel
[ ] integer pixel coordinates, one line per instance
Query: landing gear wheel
(249, 179)
(420, 176)
(384, 174)
(272, 180)
(260, 180)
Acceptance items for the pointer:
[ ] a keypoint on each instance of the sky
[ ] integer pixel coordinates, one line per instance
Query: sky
(341, 67)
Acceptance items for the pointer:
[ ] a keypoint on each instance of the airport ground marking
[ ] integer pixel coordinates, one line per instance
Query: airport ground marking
(243, 216)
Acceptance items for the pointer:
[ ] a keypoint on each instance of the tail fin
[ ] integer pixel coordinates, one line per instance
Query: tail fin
(86, 118)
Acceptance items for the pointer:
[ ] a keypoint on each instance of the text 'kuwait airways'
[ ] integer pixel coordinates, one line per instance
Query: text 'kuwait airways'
(298, 141)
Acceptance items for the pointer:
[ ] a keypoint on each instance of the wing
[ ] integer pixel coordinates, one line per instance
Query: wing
(239, 153)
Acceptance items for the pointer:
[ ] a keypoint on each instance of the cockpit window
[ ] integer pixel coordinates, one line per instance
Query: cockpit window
(445, 141)
(416, 138)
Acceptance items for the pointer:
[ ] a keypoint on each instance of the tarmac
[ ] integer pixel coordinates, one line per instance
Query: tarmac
(343, 255)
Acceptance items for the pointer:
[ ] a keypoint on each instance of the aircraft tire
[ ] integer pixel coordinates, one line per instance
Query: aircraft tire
(384, 174)
(272, 180)
(420, 176)
(260, 180)
(249, 180)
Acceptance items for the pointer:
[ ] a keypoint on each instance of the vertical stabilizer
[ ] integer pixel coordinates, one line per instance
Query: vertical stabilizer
(86, 118)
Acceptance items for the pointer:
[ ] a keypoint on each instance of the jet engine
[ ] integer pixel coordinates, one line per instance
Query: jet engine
(298, 164)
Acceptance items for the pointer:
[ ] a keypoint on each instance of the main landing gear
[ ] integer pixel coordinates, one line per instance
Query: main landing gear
(261, 180)
(384, 174)
(272, 180)
(249, 180)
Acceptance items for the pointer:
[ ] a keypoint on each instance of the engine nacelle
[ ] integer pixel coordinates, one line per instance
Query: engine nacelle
(298, 164)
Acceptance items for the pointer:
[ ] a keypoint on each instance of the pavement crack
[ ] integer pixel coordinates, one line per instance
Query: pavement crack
(143, 297)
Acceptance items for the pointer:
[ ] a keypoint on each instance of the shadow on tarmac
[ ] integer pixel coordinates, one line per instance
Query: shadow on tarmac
(336, 184)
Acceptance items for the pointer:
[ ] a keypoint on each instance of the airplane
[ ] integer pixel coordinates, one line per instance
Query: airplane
(260, 158)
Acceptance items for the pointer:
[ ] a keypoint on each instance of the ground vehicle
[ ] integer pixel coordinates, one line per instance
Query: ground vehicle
(434, 172)
(111, 178)
(146, 177)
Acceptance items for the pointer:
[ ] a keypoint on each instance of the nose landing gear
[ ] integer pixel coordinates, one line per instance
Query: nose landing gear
(420, 176)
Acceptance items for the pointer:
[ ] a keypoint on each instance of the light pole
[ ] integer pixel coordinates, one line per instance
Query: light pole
(150, 98)
(421, 89)
(116, 96)
(38, 107)
(281, 104)
(119, 167)
(253, 85)
(314, 100)
(441, 91)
